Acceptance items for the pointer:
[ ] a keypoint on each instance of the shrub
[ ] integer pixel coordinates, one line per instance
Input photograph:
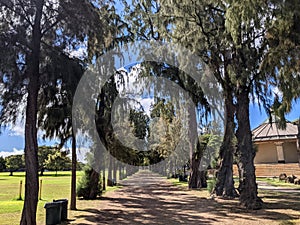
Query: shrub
(211, 185)
(90, 185)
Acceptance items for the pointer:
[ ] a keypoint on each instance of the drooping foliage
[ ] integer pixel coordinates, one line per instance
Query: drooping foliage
(38, 36)
(236, 40)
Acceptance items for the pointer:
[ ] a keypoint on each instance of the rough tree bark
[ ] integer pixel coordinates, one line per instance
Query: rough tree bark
(121, 171)
(94, 184)
(73, 178)
(246, 153)
(225, 184)
(103, 176)
(115, 166)
(109, 174)
(197, 177)
(195, 181)
(31, 145)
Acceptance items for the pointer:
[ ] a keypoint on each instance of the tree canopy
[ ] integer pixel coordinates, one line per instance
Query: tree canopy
(14, 162)
(38, 37)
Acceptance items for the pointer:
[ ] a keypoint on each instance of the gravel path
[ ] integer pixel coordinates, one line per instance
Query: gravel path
(147, 198)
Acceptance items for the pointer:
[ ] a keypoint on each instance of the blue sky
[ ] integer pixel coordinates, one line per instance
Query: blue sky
(258, 116)
(12, 140)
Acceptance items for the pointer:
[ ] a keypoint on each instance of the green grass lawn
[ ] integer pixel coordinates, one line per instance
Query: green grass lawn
(277, 183)
(53, 187)
(56, 187)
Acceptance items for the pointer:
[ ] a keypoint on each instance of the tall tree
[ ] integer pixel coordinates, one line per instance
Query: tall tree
(32, 32)
(165, 132)
(282, 60)
(58, 161)
(14, 162)
(2, 164)
(43, 153)
(200, 27)
(207, 21)
(198, 104)
(55, 102)
(232, 38)
(247, 25)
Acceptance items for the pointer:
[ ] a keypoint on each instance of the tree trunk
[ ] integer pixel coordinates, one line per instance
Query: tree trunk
(195, 153)
(198, 178)
(109, 175)
(195, 181)
(120, 172)
(246, 154)
(123, 172)
(115, 170)
(225, 184)
(171, 171)
(103, 176)
(31, 145)
(94, 185)
(73, 178)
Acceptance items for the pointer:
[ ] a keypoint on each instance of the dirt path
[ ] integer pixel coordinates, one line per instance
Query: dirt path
(265, 186)
(147, 198)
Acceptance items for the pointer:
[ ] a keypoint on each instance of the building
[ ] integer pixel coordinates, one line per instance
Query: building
(275, 145)
(278, 150)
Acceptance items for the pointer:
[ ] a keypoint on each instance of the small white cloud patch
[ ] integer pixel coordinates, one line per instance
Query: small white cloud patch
(14, 152)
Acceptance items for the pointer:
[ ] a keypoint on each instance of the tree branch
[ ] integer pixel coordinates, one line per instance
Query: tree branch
(13, 10)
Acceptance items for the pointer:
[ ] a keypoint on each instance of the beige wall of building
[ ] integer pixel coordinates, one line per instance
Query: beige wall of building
(268, 152)
(290, 152)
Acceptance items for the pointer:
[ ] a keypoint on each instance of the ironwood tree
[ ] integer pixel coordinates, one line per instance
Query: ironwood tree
(14, 162)
(2, 164)
(58, 161)
(55, 106)
(43, 153)
(232, 38)
(32, 32)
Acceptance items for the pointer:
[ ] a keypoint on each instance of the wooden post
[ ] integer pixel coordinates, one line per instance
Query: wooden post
(20, 191)
(40, 192)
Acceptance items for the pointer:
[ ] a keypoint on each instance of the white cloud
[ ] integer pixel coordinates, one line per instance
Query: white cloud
(14, 152)
(17, 129)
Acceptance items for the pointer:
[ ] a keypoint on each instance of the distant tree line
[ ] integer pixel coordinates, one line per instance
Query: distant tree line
(49, 158)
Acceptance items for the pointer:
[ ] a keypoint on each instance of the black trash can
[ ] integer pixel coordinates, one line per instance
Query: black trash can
(64, 208)
(53, 213)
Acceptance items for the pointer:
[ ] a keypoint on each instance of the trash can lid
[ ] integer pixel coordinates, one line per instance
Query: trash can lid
(60, 200)
(51, 204)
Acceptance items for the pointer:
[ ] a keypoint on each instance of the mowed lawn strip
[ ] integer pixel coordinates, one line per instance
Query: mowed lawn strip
(53, 187)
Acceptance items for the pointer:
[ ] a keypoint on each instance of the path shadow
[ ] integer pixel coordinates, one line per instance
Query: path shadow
(148, 199)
